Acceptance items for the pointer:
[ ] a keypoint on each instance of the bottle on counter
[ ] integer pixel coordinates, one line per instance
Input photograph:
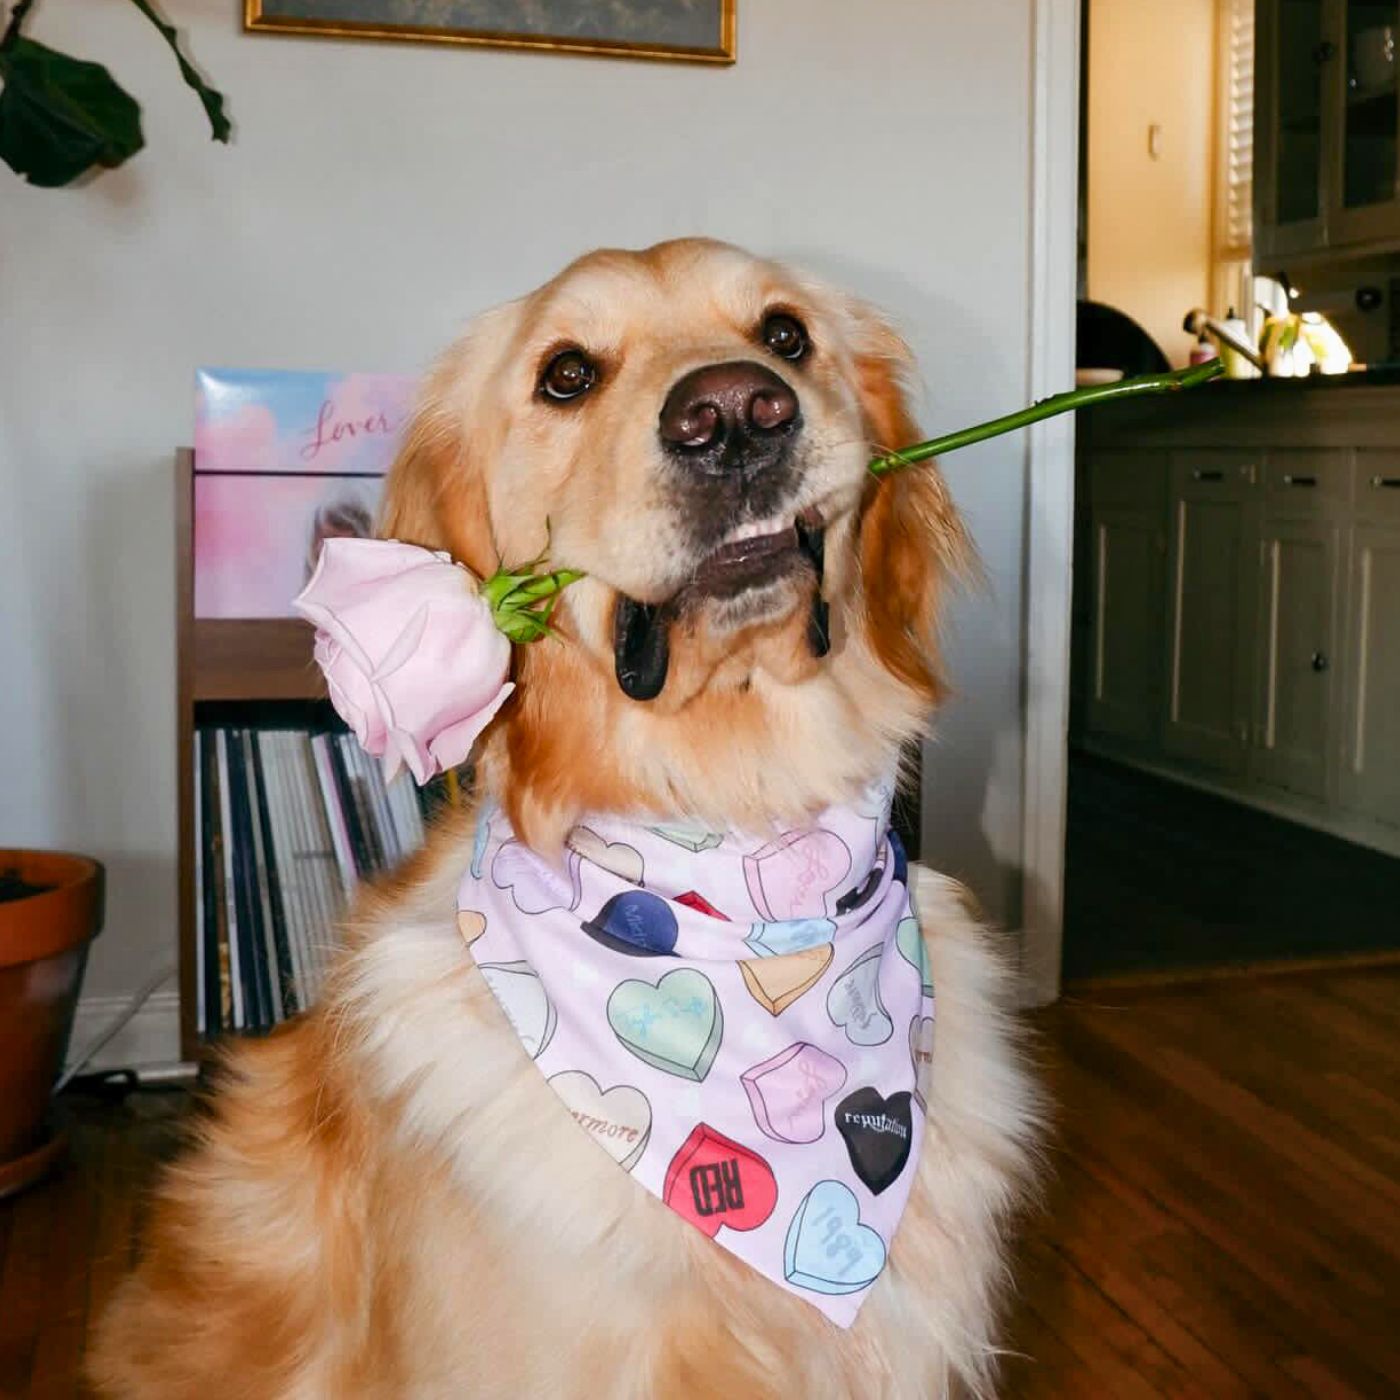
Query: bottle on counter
(1203, 352)
(1236, 366)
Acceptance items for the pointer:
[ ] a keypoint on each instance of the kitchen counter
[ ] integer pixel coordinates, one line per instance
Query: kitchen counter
(1360, 409)
(1387, 374)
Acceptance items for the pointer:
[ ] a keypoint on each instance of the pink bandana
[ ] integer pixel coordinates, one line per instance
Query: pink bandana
(738, 1022)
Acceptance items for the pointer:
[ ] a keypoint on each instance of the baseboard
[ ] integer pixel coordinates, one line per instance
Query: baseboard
(1173, 977)
(151, 1039)
(1330, 820)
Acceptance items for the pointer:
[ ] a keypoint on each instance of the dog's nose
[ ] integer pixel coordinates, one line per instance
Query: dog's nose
(738, 414)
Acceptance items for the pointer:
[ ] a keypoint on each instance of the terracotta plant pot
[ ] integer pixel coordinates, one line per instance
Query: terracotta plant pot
(50, 910)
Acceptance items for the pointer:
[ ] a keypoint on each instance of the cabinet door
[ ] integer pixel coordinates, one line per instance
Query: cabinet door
(1297, 630)
(1210, 610)
(1295, 59)
(1126, 662)
(1362, 200)
(1371, 770)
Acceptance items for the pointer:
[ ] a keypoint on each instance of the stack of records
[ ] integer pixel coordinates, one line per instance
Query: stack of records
(287, 823)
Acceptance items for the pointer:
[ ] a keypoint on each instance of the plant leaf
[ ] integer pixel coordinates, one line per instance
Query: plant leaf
(212, 100)
(60, 116)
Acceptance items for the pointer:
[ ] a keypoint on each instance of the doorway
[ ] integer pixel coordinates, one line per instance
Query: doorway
(1225, 650)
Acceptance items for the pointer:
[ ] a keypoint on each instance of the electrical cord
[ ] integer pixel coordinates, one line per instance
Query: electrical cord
(91, 1049)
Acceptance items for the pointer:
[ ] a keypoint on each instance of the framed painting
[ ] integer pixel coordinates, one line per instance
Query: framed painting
(693, 31)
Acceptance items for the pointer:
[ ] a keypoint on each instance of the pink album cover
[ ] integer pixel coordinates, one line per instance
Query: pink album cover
(278, 420)
(283, 460)
(256, 538)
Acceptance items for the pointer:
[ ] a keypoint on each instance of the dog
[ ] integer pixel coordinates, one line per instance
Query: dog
(384, 1198)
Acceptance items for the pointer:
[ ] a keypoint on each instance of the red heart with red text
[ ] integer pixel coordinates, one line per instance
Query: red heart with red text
(713, 1181)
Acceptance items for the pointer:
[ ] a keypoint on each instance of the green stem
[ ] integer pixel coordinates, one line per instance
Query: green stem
(211, 100)
(1048, 408)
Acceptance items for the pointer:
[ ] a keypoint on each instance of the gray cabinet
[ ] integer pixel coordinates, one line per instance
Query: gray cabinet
(1327, 127)
(1210, 608)
(1244, 620)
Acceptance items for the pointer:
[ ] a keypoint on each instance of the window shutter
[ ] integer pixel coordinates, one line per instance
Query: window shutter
(1236, 132)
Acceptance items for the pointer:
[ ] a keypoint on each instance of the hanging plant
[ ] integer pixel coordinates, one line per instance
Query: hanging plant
(62, 116)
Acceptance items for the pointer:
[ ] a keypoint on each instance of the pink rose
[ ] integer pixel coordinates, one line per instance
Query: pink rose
(413, 659)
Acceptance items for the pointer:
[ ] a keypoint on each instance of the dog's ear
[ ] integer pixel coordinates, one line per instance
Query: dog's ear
(912, 542)
(435, 494)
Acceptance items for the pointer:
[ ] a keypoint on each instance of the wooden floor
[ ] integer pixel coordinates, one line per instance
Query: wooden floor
(64, 1244)
(1223, 1219)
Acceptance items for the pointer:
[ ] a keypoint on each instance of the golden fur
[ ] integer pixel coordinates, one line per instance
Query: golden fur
(385, 1199)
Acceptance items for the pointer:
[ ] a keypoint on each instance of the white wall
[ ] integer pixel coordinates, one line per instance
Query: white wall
(1151, 62)
(375, 196)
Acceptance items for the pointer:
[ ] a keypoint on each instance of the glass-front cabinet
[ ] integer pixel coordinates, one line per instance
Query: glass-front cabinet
(1364, 194)
(1290, 65)
(1327, 125)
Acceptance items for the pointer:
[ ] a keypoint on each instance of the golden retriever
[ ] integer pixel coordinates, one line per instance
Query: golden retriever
(385, 1199)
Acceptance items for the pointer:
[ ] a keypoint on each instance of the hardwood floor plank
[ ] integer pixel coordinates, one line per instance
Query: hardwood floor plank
(1309, 1211)
(1353, 1183)
(1298, 1071)
(22, 1300)
(1039, 1366)
(1153, 1139)
(1220, 1299)
(1107, 1345)
(1134, 1253)
(7, 1215)
(1378, 999)
(65, 1277)
(1257, 1323)
(1354, 1027)
(1320, 1383)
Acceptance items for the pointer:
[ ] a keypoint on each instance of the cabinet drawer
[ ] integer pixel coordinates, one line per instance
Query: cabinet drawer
(1377, 479)
(1304, 482)
(1212, 473)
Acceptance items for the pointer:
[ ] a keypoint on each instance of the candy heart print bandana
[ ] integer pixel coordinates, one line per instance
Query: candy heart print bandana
(740, 1021)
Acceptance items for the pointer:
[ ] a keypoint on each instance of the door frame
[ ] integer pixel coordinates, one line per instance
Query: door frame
(1054, 210)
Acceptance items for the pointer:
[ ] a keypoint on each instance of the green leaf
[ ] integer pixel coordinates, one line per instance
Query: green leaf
(60, 116)
(212, 100)
(524, 626)
(500, 586)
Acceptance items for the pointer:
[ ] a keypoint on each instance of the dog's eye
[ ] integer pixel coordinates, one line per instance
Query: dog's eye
(569, 374)
(785, 336)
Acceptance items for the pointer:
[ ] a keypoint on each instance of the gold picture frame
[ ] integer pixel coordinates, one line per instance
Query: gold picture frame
(319, 17)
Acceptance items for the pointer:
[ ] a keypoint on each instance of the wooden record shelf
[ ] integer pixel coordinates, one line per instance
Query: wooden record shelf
(223, 661)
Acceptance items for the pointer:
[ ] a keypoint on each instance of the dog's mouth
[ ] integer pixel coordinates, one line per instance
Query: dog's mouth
(752, 555)
(755, 555)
